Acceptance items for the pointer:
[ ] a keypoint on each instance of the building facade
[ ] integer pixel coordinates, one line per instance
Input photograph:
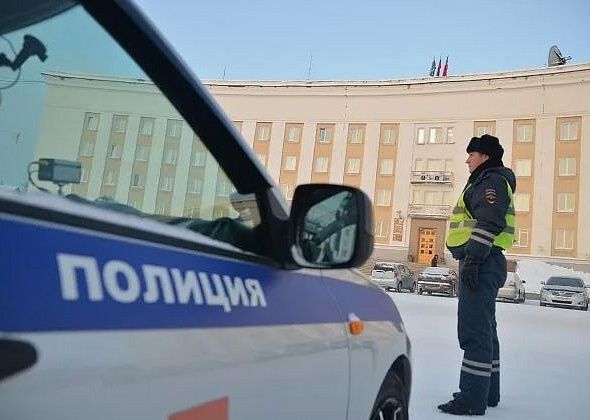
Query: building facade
(401, 141)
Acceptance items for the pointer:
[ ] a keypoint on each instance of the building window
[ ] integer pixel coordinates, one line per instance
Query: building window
(119, 123)
(357, 135)
(161, 207)
(290, 163)
(166, 183)
(109, 177)
(136, 181)
(383, 198)
(321, 164)
(174, 128)
(566, 202)
(325, 134)
(114, 151)
(420, 137)
(195, 186)
(382, 229)
(568, 131)
(87, 148)
(91, 121)
(564, 239)
(524, 133)
(522, 167)
(199, 158)
(293, 133)
(146, 126)
(389, 136)
(386, 167)
(84, 175)
(567, 166)
(521, 237)
(142, 153)
(353, 166)
(450, 135)
(262, 132)
(435, 135)
(262, 158)
(521, 202)
(484, 129)
(288, 191)
(170, 156)
(224, 188)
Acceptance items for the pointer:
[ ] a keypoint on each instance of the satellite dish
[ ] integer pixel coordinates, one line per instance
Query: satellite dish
(556, 58)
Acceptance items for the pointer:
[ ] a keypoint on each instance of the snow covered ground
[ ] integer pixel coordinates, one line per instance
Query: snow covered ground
(545, 358)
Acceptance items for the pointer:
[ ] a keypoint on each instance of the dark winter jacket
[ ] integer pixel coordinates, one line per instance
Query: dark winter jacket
(487, 200)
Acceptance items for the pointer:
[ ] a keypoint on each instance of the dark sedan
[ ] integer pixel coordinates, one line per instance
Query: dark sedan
(437, 280)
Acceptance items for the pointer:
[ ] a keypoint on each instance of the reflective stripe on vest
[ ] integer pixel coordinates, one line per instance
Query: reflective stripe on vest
(463, 223)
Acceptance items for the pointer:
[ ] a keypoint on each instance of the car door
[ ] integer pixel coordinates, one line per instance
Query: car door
(144, 290)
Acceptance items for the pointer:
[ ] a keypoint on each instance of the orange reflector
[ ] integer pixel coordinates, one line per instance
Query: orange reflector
(356, 327)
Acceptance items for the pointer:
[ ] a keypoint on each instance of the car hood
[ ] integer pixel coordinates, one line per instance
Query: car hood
(564, 288)
(426, 277)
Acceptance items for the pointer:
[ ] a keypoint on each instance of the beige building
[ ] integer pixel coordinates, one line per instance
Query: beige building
(401, 141)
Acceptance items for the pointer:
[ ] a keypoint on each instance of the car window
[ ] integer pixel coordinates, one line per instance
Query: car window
(80, 119)
(565, 281)
(383, 267)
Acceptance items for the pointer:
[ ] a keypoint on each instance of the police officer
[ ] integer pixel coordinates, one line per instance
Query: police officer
(482, 226)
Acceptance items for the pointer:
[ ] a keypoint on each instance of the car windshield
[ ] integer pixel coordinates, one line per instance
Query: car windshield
(383, 267)
(565, 281)
(81, 121)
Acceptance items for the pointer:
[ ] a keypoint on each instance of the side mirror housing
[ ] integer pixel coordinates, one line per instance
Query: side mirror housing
(542, 282)
(331, 226)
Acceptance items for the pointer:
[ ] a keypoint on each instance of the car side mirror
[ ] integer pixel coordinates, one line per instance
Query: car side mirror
(542, 282)
(523, 281)
(331, 226)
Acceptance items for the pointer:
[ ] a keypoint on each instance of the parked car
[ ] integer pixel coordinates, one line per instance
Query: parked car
(513, 289)
(134, 283)
(565, 292)
(393, 276)
(437, 280)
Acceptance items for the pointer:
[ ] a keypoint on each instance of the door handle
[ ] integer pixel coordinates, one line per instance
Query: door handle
(15, 356)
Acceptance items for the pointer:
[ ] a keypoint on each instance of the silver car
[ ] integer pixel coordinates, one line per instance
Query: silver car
(566, 292)
(393, 276)
(513, 289)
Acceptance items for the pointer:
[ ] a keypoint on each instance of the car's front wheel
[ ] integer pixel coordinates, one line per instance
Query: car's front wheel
(391, 401)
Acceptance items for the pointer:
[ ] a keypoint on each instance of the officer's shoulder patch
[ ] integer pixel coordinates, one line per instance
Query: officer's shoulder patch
(490, 195)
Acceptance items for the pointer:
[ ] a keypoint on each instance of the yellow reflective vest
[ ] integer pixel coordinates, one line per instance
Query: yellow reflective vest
(463, 223)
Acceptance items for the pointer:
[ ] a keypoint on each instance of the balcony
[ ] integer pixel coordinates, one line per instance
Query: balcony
(431, 177)
(430, 211)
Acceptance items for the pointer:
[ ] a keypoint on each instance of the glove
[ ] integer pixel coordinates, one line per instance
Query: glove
(469, 273)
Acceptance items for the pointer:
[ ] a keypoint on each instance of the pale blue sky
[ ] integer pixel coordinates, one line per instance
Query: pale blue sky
(368, 39)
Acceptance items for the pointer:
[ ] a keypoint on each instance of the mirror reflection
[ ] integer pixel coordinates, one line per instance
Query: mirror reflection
(329, 230)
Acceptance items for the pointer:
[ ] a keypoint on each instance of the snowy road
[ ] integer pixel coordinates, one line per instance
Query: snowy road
(545, 359)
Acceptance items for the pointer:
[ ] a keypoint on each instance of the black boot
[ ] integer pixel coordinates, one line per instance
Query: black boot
(490, 403)
(459, 407)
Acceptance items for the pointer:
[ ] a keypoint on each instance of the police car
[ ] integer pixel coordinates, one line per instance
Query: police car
(149, 267)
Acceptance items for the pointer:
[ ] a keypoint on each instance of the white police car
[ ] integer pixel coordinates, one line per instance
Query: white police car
(152, 270)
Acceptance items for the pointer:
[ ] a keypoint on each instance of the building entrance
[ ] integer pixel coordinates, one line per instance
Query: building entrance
(426, 245)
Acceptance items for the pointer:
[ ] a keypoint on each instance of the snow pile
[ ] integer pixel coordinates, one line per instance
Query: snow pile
(534, 272)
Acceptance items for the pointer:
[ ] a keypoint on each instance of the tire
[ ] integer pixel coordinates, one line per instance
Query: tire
(419, 291)
(391, 401)
(541, 304)
(399, 286)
